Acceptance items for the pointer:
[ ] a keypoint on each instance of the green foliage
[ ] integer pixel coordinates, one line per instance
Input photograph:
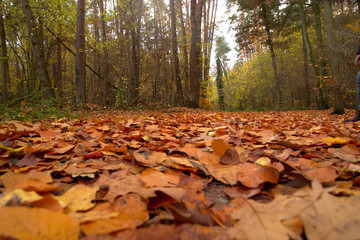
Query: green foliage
(47, 111)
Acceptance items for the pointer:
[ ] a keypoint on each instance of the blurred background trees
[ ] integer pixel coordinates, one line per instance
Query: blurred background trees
(159, 53)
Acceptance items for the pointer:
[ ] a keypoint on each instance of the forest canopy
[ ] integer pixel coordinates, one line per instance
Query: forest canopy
(156, 54)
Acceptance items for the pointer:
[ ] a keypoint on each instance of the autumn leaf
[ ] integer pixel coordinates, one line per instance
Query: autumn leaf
(132, 212)
(37, 223)
(220, 146)
(252, 175)
(78, 198)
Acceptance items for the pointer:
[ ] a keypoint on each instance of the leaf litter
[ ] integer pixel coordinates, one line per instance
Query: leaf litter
(181, 174)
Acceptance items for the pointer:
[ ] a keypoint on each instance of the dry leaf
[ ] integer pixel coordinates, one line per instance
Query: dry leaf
(37, 223)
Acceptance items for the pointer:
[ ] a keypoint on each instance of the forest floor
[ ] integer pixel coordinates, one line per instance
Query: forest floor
(181, 174)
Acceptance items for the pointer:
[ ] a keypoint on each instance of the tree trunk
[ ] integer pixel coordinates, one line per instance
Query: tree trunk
(96, 92)
(195, 54)
(220, 84)
(308, 50)
(339, 101)
(184, 47)
(59, 75)
(80, 53)
(107, 90)
(38, 49)
(4, 58)
(306, 74)
(179, 92)
(270, 43)
(135, 52)
(323, 99)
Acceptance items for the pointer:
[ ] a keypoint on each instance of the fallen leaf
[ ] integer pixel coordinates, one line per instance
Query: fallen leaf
(132, 213)
(155, 178)
(37, 223)
(230, 157)
(252, 175)
(220, 146)
(326, 174)
(78, 198)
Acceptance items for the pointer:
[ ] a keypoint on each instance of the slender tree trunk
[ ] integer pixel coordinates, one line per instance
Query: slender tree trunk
(195, 54)
(220, 84)
(339, 101)
(96, 91)
(38, 48)
(306, 74)
(156, 53)
(59, 75)
(323, 99)
(179, 92)
(80, 53)
(308, 51)
(270, 43)
(185, 52)
(135, 52)
(4, 58)
(107, 97)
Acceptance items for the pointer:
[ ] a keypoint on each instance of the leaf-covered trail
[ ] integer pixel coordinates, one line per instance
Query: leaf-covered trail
(181, 174)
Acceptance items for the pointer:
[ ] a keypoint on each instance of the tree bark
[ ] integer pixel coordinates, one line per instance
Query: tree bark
(38, 49)
(323, 99)
(339, 101)
(220, 84)
(179, 92)
(4, 58)
(80, 53)
(95, 91)
(270, 43)
(107, 97)
(184, 47)
(135, 9)
(195, 53)
(309, 52)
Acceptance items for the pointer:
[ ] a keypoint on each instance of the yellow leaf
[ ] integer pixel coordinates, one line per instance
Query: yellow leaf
(24, 196)
(78, 198)
(337, 140)
(264, 161)
(37, 224)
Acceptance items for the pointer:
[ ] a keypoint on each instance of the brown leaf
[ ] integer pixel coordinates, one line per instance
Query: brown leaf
(32, 181)
(132, 213)
(326, 174)
(150, 159)
(155, 178)
(230, 157)
(28, 160)
(252, 175)
(220, 146)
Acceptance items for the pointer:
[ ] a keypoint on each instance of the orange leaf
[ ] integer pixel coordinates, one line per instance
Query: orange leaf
(154, 178)
(132, 213)
(37, 223)
(326, 174)
(220, 146)
(252, 175)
